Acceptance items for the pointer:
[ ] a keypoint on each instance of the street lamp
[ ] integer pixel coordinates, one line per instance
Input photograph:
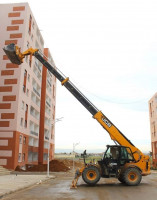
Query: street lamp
(74, 145)
(48, 155)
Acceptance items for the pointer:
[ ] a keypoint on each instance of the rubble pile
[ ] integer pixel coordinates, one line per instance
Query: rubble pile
(69, 163)
(62, 165)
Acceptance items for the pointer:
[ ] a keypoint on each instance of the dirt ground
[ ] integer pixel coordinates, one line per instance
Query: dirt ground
(57, 165)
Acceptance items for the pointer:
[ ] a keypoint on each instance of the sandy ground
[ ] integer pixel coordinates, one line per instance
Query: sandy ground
(106, 189)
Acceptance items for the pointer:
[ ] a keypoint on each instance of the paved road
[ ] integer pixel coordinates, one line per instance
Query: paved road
(106, 189)
(15, 182)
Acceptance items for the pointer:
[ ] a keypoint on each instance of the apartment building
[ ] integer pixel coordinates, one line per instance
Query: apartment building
(153, 127)
(27, 93)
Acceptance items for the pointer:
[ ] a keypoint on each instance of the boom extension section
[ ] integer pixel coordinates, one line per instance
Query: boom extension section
(14, 54)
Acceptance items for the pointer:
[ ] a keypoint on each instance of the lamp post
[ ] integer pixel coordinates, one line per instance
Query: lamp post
(48, 155)
(74, 145)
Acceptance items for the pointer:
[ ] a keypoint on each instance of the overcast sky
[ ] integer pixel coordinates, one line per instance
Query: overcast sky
(108, 49)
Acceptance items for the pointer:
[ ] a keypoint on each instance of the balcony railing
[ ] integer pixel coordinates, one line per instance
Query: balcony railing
(49, 73)
(36, 92)
(49, 83)
(34, 114)
(48, 103)
(38, 67)
(34, 133)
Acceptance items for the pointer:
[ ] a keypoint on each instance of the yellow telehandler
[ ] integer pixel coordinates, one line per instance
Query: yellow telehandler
(122, 160)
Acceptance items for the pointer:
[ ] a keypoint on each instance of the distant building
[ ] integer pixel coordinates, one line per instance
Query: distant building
(153, 127)
(27, 93)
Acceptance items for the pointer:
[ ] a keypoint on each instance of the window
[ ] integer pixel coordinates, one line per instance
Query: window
(130, 155)
(27, 45)
(22, 105)
(53, 91)
(19, 159)
(28, 76)
(26, 58)
(36, 45)
(26, 108)
(52, 136)
(25, 73)
(24, 81)
(25, 123)
(21, 122)
(30, 24)
(23, 157)
(20, 139)
(24, 140)
(24, 88)
(54, 112)
(27, 93)
(30, 60)
(150, 108)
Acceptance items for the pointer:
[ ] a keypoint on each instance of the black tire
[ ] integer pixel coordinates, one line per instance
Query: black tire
(132, 176)
(91, 175)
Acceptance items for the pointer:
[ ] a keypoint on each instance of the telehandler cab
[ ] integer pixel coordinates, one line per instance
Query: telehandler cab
(123, 160)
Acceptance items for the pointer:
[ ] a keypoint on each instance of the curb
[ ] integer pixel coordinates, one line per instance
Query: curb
(28, 186)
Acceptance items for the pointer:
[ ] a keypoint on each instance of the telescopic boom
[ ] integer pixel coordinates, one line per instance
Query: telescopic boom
(14, 54)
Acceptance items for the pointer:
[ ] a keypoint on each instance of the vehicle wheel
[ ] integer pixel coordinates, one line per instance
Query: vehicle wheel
(120, 178)
(91, 175)
(132, 176)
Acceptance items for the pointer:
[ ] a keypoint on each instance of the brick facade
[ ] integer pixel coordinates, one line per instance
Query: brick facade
(26, 104)
(153, 127)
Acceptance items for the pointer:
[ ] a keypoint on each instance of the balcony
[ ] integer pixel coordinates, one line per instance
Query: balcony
(49, 83)
(36, 92)
(35, 99)
(34, 133)
(49, 73)
(47, 103)
(36, 64)
(47, 110)
(34, 112)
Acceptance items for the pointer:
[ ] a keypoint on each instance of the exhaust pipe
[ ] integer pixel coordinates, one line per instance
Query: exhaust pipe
(13, 53)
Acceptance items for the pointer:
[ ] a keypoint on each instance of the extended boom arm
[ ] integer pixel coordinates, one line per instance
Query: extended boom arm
(16, 57)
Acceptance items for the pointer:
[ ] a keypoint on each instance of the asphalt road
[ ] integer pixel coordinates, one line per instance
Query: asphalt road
(106, 189)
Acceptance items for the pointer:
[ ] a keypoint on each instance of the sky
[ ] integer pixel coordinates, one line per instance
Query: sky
(108, 50)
